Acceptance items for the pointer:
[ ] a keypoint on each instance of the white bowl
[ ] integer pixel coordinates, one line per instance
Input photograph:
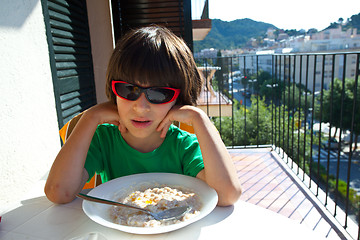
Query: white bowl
(111, 190)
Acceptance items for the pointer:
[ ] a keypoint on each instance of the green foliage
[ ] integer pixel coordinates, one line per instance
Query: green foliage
(340, 188)
(332, 106)
(354, 22)
(257, 120)
(295, 98)
(274, 90)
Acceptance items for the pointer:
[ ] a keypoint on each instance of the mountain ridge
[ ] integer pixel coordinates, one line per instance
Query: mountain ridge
(232, 34)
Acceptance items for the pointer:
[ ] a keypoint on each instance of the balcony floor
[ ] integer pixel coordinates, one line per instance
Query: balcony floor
(267, 183)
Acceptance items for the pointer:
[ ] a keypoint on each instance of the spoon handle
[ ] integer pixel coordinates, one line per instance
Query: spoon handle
(101, 200)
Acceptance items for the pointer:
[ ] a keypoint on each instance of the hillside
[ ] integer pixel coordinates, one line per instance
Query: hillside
(234, 34)
(229, 35)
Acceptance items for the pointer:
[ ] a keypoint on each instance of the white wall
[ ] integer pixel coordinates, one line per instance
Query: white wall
(101, 43)
(28, 123)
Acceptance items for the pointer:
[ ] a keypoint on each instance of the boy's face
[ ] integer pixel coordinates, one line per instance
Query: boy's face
(140, 117)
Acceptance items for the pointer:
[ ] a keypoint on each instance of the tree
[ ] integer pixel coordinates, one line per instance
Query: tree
(292, 95)
(355, 21)
(312, 31)
(337, 114)
(340, 20)
(257, 120)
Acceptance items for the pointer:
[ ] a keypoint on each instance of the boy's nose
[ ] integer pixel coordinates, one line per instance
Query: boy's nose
(142, 104)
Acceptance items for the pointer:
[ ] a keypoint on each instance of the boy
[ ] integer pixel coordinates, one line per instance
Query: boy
(152, 80)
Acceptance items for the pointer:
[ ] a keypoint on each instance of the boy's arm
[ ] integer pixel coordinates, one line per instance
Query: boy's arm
(219, 171)
(68, 175)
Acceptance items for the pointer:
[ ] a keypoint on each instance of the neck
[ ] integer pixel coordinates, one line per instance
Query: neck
(143, 145)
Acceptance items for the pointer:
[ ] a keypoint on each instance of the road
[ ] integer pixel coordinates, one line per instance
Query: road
(238, 90)
(343, 166)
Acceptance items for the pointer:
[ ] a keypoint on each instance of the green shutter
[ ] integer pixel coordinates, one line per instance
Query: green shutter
(174, 14)
(70, 56)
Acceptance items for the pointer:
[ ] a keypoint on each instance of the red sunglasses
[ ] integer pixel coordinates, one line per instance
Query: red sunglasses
(155, 95)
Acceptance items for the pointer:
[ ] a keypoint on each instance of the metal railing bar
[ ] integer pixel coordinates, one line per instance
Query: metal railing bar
(245, 97)
(312, 121)
(272, 99)
(351, 134)
(320, 118)
(299, 113)
(290, 115)
(293, 111)
(257, 99)
(330, 120)
(284, 107)
(306, 109)
(353, 118)
(341, 116)
(220, 83)
(280, 97)
(208, 90)
(232, 104)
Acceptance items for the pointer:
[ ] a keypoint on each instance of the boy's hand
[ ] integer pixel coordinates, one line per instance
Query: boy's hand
(107, 113)
(185, 114)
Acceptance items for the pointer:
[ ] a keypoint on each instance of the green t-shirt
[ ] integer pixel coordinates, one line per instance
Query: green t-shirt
(111, 157)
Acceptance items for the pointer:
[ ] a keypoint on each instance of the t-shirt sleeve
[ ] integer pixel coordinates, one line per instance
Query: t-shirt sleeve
(93, 161)
(192, 159)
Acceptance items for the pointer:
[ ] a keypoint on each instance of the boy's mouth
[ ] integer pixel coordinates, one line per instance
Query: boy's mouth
(141, 123)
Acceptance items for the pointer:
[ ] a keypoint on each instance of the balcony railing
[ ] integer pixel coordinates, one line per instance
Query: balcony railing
(304, 106)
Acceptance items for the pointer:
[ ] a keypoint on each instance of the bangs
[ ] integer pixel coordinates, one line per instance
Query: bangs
(147, 66)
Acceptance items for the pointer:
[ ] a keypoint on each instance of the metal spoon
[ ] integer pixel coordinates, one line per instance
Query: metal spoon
(168, 214)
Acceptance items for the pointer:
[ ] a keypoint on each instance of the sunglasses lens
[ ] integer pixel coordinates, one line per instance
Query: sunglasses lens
(156, 95)
(127, 91)
(159, 95)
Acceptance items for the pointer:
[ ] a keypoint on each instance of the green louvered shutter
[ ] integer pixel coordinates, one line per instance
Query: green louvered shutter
(70, 56)
(174, 14)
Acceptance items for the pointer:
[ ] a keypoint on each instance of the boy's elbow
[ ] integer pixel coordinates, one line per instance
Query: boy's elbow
(56, 195)
(229, 196)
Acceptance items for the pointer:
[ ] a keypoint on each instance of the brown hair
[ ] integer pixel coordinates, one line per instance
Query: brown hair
(155, 56)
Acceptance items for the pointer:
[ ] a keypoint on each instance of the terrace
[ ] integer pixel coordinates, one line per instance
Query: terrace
(280, 138)
(278, 159)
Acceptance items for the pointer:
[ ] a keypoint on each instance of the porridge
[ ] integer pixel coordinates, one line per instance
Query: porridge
(155, 200)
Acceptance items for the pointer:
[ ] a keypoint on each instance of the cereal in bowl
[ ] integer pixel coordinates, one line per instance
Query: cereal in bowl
(155, 200)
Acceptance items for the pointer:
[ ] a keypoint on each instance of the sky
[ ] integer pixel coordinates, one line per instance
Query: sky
(285, 14)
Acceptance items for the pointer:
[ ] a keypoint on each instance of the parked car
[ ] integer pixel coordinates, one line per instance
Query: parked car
(334, 144)
(246, 93)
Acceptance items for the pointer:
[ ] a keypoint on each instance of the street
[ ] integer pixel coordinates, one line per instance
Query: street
(238, 94)
(343, 166)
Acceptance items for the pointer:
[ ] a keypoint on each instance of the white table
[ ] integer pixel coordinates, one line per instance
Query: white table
(38, 218)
